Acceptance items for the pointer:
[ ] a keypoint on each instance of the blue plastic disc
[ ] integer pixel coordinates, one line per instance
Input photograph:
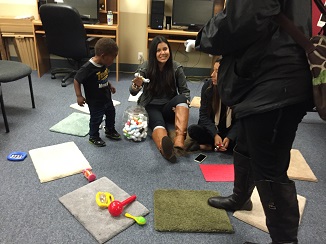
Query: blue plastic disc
(17, 156)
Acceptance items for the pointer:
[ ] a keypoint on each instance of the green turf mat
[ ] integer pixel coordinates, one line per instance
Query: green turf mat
(188, 211)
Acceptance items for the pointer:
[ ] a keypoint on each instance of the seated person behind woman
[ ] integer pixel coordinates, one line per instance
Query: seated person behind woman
(165, 97)
(215, 129)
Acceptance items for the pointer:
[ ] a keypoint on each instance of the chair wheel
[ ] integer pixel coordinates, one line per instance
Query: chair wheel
(52, 76)
(63, 84)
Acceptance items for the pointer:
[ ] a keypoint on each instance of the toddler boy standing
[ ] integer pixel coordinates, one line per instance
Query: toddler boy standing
(94, 76)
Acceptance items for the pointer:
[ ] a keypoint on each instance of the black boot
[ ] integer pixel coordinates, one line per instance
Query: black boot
(281, 208)
(242, 190)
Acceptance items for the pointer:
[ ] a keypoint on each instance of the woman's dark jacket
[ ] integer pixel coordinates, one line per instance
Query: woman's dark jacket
(206, 118)
(179, 78)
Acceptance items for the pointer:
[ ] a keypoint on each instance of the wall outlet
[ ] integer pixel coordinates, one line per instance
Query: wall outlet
(140, 56)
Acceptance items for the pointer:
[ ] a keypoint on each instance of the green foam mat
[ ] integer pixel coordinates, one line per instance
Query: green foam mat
(76, 124)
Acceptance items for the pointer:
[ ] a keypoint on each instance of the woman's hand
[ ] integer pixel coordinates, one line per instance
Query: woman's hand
(190, 45)
(217, 141)
(225, 143)
(138, 81)
(221, 145)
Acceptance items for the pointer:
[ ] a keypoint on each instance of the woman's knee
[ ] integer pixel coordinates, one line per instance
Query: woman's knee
(179, 99)
(195, 131)
(157, 123)
(192, 129)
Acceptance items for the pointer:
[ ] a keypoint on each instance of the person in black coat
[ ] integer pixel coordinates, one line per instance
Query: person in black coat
(264, 76)
(216, 129)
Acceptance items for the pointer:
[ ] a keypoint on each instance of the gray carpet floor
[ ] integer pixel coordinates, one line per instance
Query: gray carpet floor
(31, 212)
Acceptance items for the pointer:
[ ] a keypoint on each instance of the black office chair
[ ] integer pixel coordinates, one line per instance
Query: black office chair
(12, 71)
(65, 36)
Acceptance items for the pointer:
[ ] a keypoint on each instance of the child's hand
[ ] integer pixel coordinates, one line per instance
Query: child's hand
(81, 101)
(113, 90)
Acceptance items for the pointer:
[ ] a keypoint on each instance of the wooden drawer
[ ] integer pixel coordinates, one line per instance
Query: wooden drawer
(12, 25)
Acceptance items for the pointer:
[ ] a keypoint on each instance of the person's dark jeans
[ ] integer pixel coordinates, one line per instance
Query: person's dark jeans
(96, 118)
(267, 139)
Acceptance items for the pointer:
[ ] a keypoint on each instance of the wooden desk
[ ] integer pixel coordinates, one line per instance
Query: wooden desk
(42, 54)
(20, 32)
(173, 35)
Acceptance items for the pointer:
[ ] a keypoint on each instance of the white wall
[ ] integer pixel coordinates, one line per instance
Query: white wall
(132, 30)
(133, 6)
(27, 2)
(12, 8)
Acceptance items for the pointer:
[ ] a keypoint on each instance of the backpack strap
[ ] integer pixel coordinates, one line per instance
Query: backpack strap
(294, 32)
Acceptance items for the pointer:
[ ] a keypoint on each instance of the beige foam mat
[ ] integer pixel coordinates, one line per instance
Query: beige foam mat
(256, 217)
(58, 161)
(195, 102)
(299, 168)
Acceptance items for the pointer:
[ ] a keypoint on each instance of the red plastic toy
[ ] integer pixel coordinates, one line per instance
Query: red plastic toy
(90, 176)
(116, 207)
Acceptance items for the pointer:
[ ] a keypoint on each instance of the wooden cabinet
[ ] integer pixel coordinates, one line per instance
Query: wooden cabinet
(109, 5)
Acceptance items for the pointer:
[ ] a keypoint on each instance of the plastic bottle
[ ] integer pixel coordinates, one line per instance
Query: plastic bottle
(110, 18)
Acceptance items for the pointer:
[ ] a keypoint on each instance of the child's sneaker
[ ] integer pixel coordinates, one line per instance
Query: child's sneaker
(112, 134)
(97, 142)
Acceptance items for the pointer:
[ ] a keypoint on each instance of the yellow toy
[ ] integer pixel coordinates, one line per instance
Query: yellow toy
(103, 199)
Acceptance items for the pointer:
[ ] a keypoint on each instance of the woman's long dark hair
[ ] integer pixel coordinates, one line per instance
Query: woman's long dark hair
(160, 82)
(215, 99)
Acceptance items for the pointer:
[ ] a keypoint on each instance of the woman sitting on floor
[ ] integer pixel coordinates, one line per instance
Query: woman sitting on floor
(216, 129)
(165, 97)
